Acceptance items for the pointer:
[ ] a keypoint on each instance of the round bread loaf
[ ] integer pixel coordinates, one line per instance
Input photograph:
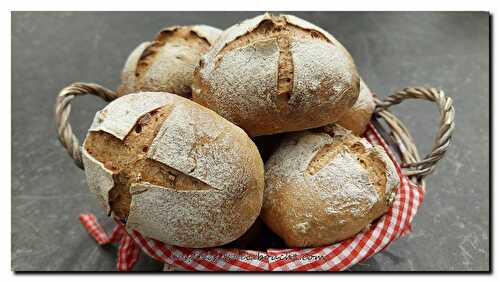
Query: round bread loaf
(174, 170)
(357, 118)
(324, 186)
(167, 63)
(273, 74)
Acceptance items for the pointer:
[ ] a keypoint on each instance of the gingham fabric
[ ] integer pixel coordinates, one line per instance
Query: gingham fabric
(394, 224)
(128, 251)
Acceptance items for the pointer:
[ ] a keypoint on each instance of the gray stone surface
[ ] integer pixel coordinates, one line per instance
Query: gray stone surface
(391, 50)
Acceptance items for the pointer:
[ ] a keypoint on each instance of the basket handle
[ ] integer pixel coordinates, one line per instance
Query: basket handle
(412, 165)
(63, 109)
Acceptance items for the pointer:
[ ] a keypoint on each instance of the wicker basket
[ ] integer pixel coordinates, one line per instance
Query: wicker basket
(393, 136)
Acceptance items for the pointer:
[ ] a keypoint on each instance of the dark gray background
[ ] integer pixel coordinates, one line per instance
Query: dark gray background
(391, 50)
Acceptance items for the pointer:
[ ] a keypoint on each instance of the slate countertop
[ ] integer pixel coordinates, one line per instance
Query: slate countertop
(449, 50)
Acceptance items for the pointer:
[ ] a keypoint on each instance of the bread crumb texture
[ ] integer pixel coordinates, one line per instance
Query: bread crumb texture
(166, 64)
(273, 74)
(173, 170)
(325, 185)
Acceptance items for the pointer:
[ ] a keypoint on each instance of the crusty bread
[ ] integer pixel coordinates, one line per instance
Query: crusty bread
(273, 74)
(357, 118)
(325, 185)
(174, 170)
(167, 63)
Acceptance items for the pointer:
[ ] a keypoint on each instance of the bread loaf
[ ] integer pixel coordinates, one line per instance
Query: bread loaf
(358, 117)
(174, 170)
(273, 74)
(167, 63)
(324, 186)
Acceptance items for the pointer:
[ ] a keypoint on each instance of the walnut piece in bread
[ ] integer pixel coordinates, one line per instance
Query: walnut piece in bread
(174, 170)
(273, 74)
(325, 185)
(167, 63)
(357, 118)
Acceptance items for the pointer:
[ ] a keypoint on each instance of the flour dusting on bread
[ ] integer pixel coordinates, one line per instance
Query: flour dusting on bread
(174, 170)
(99, 179)
(119, 117)
(273, 74)
(328, 180)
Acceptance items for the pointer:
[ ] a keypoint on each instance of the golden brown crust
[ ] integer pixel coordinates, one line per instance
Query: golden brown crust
(127, 158)
(271, 74)
(334, 186)
(181, 174)
(166, 64)
(358, 117)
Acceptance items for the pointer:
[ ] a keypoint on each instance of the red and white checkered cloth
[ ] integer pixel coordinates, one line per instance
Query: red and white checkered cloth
(394, 224)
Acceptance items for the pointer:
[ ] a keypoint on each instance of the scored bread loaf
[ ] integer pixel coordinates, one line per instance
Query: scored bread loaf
(273, 74)
(174, 170)
(325, 185)
(357, 118)
(166, 64)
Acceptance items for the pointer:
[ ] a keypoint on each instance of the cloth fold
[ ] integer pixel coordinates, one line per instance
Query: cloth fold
(128, 250)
